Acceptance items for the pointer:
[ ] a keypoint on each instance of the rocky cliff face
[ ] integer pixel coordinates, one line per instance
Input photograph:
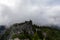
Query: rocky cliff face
(18, 28)
(27, 31)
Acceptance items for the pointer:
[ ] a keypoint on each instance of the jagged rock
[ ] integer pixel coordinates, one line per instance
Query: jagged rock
(19, 28)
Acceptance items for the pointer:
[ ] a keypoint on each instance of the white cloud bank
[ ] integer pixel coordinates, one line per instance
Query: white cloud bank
(41, 12)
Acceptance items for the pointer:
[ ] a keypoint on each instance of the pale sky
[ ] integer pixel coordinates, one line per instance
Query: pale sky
(41, 12)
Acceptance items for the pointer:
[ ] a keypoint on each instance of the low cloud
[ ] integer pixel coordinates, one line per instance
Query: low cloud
(41, 12)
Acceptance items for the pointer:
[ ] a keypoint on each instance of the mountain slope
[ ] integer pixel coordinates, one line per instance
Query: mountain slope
(28, 31)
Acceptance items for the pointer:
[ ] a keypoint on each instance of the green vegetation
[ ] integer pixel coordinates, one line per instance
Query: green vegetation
(45, 33)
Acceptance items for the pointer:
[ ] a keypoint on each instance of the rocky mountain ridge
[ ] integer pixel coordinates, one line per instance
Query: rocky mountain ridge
(28, 31)
(19, 28)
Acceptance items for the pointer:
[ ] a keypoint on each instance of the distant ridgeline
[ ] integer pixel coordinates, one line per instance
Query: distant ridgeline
(2, 28)
(28, 31)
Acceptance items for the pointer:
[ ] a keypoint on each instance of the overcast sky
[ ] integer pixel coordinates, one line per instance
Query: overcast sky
(41, 12)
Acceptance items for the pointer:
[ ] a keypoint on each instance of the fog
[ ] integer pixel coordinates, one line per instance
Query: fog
(41, 12)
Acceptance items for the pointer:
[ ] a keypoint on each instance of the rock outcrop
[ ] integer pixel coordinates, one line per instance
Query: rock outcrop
(19, 28)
